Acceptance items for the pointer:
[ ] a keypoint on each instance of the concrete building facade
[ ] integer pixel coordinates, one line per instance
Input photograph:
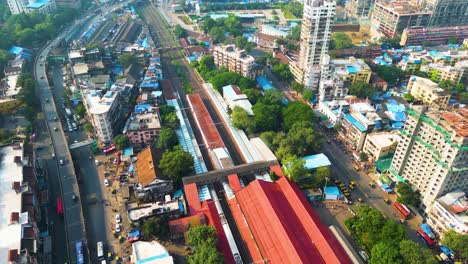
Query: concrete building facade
(143, 129)
(358, 8)
(381, 144)
(427, 91)
(431, 154)
(447, 12)
(392, 17)
(235, 60)
(449, 213)
(316, 30)
(104, 112)
(18, 6)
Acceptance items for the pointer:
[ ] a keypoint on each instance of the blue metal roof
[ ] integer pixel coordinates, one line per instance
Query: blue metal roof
(264, 83)
(316, 161)
(355, 123)
(332, 190)
(38, 4)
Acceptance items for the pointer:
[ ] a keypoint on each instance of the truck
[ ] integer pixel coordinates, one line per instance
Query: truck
(100, 250)
(69, 113)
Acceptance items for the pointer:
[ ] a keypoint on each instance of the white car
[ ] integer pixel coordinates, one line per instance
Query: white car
(118, 219)
(61, 162)
(118, 228)
(106, 182)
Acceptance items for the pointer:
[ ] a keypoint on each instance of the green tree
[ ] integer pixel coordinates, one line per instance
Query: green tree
(297, 87)
(361, 90)
(199, 235)
(241, 42)
(121, 141)
(296, 112)
(464, 97)
(300, 140)
(308, 95)
(155, 228)
(293, 8)
(267, 117)
(452, 40)
(363, 157)
(126, 60)
(385, 253)
(391, 42)
(460, 88)
(242, 120)
(167, 139)
(340, 40)
(295, 169)
(272, 97)
(207, 25)
(413, 253)
(282, 71)
(456, 242)
(406, 195)
(206, 254)
(320, 176)
(390, 74)
(88, 127)
(176, 163)
(253, 95)
(295, 33)
(81, 110)
(217, 33)
(408, 97)
(179, 31)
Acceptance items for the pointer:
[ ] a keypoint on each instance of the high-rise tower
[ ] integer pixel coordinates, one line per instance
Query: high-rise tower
(316, 29)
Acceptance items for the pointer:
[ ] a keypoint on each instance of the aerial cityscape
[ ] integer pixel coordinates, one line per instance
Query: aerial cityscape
(233, 131)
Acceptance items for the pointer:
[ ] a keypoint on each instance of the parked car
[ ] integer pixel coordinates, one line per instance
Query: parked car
(61, 162)
(106, 183)
(118, 219)
(118, 229)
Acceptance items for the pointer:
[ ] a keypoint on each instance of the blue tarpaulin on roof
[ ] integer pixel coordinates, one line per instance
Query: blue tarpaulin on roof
(397, 125)
(264, 83)
(316, 161)
(446, 250)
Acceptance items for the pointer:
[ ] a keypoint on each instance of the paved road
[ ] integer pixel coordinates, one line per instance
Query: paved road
(74, 221)
(90, 183)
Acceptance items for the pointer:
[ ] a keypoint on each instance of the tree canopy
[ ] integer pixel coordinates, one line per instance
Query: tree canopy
(295, 168)
(361, 90)
(167, 139)
(295, 33)
(267, 116)
(456, 242)
(126, 60)
(407, 195)
(81, 110)
(293, 8)
(242, 120)
(296, 112)
(218, 28)
(203, 241)
(179, 31)
(390, 74)
(120, 141)
(243, 43)
(155, 228)
(308, 95)
(340, 40)
(176, 163)
(282, 71)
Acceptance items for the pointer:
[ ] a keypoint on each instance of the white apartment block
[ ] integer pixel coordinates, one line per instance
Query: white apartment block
(316, 31)
(432, 153)
(18, 6)
(440, 72)
(380, 144)
(235, 60)
(427, 91)
(333, 110)
(358, 8)
(449, 213)
(104, 112)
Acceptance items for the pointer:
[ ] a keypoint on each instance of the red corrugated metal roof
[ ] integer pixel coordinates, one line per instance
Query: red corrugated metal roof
(234, 182)
(167, 89)
(323, 239)
(209, 132)
(283, 227)
(191, 193)
(277, 170)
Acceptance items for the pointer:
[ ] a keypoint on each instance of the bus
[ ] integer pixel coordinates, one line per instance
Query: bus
(424, 237)
(79, 252)
(402, 210)
(100, 250)
(59, 206)
(109, 149)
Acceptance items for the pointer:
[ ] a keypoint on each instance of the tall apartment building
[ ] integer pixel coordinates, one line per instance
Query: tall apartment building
(18, 6)
(432, 153)
(447, 12)
(427, 91)
(104, 112)
(316, 30)
(235, 60)
(358, 8)
(392, 17)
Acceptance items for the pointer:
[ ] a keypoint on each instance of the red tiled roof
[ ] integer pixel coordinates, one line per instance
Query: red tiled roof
(290, 232)
(208, 130)
(191, 193)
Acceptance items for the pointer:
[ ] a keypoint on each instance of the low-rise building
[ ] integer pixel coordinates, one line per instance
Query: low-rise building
(357, 124)
(20, 203)
(81, 70)
(434, 35)
(265, 41)
(234, 97)
(14, 67)
(43, 6)
(104, 112)
(427, 91)
(450, 57)
(235, 60)
(151, 253)
(449, 213)
(273, 31)
(142, 129)
(333, 110)
(150, 186)
(439, 72)
(380, 144)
